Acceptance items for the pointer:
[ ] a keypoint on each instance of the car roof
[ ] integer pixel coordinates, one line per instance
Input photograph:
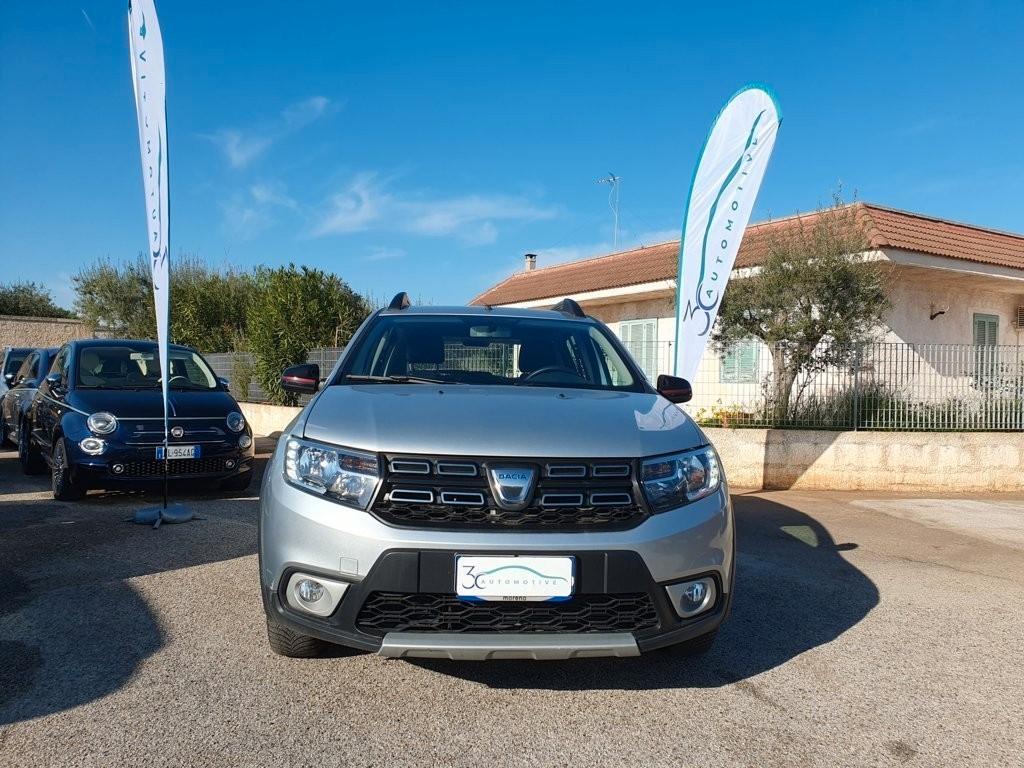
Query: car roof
(456, 311)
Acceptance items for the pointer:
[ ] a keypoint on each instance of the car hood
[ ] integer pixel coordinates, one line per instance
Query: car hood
(148, 404)
(466, 420)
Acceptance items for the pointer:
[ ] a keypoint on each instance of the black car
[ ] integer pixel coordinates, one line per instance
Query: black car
(10, 361)
(97, 421)
(22, 388)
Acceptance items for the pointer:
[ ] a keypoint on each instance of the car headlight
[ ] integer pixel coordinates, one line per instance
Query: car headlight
(341, 474)
(671, 481)
(102, 423)
(236, 421)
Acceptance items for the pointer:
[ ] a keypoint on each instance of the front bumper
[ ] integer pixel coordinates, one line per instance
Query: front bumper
(303, 533)
(139, 466)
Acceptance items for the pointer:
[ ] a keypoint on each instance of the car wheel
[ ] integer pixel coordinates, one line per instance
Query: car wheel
(285, 642)
(237, 482)
(61, 475)
(5, 438)
(694, 647)
(31, 461)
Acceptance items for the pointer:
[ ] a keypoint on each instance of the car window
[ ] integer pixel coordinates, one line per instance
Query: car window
(29, 368)
(138, 367)
(14, 361)
(495, 350)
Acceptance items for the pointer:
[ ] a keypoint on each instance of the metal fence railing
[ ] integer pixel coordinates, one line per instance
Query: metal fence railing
(877, 386)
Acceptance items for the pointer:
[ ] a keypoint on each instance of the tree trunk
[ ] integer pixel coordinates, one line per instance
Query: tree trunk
(783, 377)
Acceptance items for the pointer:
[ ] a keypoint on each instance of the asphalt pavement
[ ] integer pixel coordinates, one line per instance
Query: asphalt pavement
(867, 630)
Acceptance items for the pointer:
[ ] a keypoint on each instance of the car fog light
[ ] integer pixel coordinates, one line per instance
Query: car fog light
(244, 441)
(309, 590)
(93, 446)
(230, 463)
(318, 596)
(692, 597)
(118, 469)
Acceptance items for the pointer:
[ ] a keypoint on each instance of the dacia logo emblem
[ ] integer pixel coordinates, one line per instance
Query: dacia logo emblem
(512, 486)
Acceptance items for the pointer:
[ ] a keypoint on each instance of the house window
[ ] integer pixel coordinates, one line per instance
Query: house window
(986, 330)
(641, 339)
(739, 362)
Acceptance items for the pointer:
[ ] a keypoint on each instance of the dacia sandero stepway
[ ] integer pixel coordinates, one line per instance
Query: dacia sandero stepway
(478, 483)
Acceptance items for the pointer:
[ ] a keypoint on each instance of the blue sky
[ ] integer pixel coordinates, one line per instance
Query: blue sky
(408, 146)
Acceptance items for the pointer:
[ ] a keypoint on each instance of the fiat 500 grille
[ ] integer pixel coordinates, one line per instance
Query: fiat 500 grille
(454, 493)
(175, 467)
(384, 612)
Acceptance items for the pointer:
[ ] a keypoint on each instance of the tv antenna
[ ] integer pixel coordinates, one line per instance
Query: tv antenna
(613, 181)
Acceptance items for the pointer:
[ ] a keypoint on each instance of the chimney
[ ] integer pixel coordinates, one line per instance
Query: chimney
(531, 262)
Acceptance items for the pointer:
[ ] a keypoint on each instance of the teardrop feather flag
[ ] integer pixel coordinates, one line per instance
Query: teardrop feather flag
(147, 53)
(722, 194)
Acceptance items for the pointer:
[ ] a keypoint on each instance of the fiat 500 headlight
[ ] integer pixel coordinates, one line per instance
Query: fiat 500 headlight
(101, 423)
(340, 474)
(671, 481)
(236, 421)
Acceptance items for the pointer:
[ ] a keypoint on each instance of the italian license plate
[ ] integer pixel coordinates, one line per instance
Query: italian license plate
(179, 451)
(486, 577)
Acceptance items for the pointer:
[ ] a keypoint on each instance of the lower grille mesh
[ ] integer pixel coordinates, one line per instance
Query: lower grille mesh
(384, 612)
(175, 467)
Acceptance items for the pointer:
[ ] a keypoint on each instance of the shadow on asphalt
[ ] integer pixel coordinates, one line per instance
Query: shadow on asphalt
(794, 593)
(72, 629)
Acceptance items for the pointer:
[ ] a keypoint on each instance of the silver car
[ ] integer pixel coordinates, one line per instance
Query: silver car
(478, 483)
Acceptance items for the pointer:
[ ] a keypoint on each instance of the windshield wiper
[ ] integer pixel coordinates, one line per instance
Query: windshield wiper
(396, 379)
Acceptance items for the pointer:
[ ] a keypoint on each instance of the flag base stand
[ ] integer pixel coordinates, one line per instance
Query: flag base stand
(172, 513)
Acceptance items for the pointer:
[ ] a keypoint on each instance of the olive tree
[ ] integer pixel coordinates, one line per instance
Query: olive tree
(293, 310)
(29, 299)
(816, 294)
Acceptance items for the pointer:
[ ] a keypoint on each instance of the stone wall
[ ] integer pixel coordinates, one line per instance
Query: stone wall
(39, 331)
(948, 462)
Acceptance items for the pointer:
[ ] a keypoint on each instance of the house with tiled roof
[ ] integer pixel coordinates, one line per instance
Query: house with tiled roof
(953, 284)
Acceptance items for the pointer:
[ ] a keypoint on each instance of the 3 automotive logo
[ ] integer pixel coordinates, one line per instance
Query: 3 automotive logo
(510, 576)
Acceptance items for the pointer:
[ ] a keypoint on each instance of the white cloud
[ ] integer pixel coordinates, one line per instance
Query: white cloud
(242, 147)
(272, 194)
(367, 204)
(385, 254)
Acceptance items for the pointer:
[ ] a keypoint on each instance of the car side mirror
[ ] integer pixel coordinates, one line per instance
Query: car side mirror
(54, 380)
(302, 379)
(224, 383)
(674, 389)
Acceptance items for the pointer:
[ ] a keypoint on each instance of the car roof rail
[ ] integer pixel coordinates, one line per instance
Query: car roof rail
(569, 308)
(401, 301)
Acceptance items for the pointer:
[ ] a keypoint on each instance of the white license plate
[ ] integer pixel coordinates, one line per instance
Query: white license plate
(486, 577)
(178, 452)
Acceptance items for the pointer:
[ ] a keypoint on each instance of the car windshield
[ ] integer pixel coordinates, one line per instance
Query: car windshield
(138, 367)
(14, 361)
(496, 350)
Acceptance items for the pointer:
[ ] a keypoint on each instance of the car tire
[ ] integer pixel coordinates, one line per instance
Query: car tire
(237, 483)
(695, 647)
(285, 642)
(4, 439)
(31, 460)
(62, 477)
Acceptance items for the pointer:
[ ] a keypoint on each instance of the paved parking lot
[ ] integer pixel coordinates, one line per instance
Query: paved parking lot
(866, 631)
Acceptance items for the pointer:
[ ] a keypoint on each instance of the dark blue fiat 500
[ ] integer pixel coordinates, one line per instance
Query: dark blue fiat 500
(97, 421)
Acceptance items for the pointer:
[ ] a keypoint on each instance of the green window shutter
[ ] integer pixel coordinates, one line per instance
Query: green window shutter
(739, 362)
(986, 330)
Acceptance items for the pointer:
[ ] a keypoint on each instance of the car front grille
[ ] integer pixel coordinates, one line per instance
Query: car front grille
(454, 493)
(175, 468)
(384, 612)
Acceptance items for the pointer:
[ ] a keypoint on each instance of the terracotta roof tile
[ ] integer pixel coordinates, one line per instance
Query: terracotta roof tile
(884, 228)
